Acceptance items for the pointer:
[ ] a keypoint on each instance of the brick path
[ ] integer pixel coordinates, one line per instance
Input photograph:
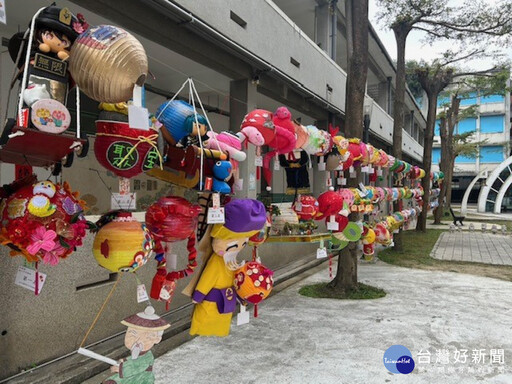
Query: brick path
(474, 246)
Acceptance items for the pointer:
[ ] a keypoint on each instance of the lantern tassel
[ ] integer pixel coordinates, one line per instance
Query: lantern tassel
(36, 286)
(255, 310)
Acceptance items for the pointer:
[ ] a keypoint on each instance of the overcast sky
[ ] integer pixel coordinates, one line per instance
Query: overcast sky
(415, 49)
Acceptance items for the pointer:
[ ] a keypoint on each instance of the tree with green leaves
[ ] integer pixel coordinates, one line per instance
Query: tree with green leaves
(469, 22)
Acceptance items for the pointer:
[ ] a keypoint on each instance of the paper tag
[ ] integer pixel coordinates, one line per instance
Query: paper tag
(238, 184)
(352, 175)
(339, 167)
(216, 200)
(364, 169)
(124, 186)
(243, 316)
(26, 278)
(118, 201)
(328, 181)
(298, 207)
(277, 167)
(379, 172)
(3, 17)
(142, 294)
(371, 170)
(332, 226)
(138, 117)
(258, 161)
(343, 181)
(321, 253)
(215, 216)
(396, 231)
(321, 166)
(351, 169)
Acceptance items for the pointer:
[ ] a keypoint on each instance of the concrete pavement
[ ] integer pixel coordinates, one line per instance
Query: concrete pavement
(302, 340)
(475, 247)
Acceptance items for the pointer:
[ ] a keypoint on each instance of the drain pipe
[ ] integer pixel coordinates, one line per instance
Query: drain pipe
(333, 8)
(167, 6)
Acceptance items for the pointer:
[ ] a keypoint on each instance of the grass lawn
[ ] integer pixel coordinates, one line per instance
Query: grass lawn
(416, 254)
(321, 290)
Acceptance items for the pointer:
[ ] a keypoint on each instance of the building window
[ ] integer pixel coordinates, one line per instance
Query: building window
(491, 154)
(465, 160)
(436, 155)
(466, 125)
(492, 124)
(469, 100)
(492, 99)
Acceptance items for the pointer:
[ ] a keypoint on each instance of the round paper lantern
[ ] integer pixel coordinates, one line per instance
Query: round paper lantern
(172, 218)
(43, 222)
(125, 151)
(329, 203)
(382, 235)
(122, 244)
(107, 62)
(306, 207)
(253, 282)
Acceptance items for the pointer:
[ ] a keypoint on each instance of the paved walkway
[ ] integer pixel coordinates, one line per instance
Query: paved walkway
(474, 246)
(303, 340)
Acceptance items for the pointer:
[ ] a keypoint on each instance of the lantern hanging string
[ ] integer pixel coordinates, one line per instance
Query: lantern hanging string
(100, 311)
(198, 135)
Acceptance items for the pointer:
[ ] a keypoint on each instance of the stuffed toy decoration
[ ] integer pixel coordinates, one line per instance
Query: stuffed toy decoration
(145, 329)
(297, 175)
(253, 283)
(355, 148)
(306, 207)
(328, 143)
(228, 143)
(42, 221)
(316, 141)
(258, 128)
(368, 240)
(382, 235)
(107, 62)
(121, 242)
(221, 174)
(214, 294)
(125, 151)
(283, 142)
(171, 219)
(301, 133)
(179, 120)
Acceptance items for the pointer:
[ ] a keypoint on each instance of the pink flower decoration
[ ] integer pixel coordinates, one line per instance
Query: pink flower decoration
(52, 257)
(41, 239)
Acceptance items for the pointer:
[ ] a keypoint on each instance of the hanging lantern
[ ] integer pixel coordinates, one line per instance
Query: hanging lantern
(123, 244)
(43, 222)
(329, 203)
(125, 151)
(253, 282)
(107, 62)
(306, 207)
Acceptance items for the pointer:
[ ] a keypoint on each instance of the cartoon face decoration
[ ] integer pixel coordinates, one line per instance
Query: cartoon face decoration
(46, 188)
(229, 249)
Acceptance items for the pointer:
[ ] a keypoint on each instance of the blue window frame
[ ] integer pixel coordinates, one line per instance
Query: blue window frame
(492, 124)
(464, 160)
(492, 154)
(492, 99)
(469, 100)
(436, 155)
(467, 125)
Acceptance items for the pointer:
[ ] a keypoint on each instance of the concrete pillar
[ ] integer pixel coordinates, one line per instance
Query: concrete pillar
(389, 96)
(242, 100)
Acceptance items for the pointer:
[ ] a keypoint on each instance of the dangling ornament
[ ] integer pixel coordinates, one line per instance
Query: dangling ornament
(253, 283)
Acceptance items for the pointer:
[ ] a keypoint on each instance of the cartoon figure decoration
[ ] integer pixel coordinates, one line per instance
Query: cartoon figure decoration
(121, 242)
(107, 62)
(368, 240)
(171, 219)
(306, 207)
(125, 151)
(222, 171)
(179, 121)
(214, 293)
(258, 128)
(145, 329)
(253, 283)
(42, 221)
(228, 143)
(295, 165)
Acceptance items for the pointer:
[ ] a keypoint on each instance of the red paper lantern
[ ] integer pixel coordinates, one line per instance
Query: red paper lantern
(306, 207)
(125, 151)
(329, 203)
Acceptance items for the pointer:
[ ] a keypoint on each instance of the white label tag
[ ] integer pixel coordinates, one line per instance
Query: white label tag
(238, 185)
(332, 226)
(243, 316)
(142, 294)
(364, 169)
(118, 201)
(258, 161)
(138, 117)
(343, 181)
(277, 167)
(396, 231)
(172, 261)
(379, 172)
(298, 207)
(371, 170)
(26, 278)
(321, 166)
(321, 253)
(351, 169)
(3, 17)
(352, 174)
(339, 168)
(216, 200)
(215, 216)
(329, 182)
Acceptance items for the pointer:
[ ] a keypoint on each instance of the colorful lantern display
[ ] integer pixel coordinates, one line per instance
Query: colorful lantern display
(125, 151)
(253, 283)
(43, 222)
(306, 207)
(107, 62)
(122, 244)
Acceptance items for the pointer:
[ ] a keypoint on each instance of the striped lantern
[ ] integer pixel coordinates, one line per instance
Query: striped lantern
(107, 62)
(123, 244)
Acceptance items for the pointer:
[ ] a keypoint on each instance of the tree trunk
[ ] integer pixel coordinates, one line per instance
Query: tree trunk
(447, 183)
(427, 158)
(443, 166)
(401, 31)
(346, 274)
